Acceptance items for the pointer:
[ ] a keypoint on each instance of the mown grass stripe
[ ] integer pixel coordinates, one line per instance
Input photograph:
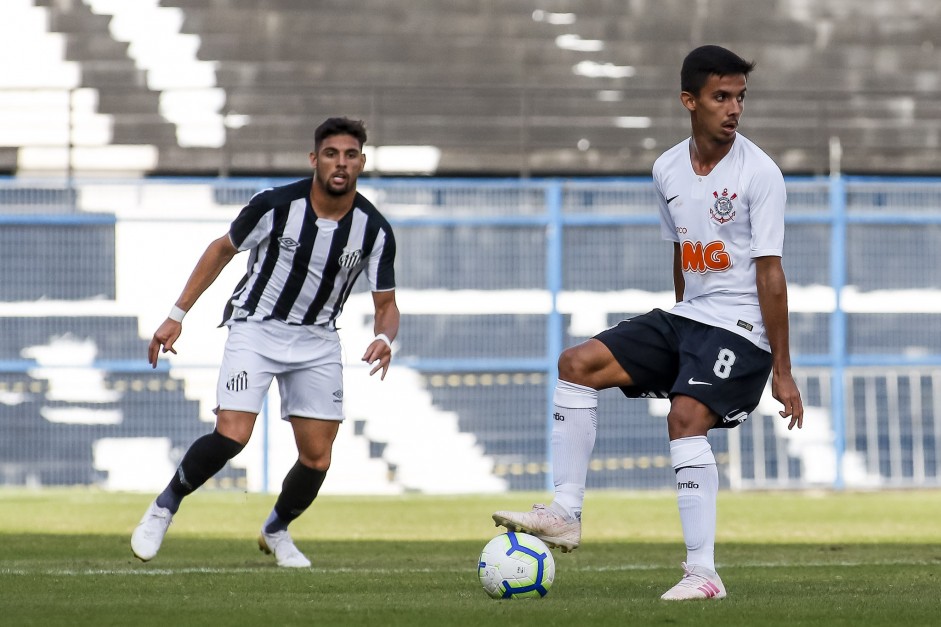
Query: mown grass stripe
(158, 572)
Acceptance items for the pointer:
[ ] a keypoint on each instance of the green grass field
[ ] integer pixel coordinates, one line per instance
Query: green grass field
(786, 559)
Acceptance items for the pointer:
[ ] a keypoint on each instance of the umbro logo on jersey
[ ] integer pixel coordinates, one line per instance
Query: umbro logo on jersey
(350, 258)
(672, 198)
(693, 381)
(287, 243)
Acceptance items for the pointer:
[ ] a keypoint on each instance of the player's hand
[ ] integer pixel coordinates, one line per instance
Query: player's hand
(163, 340)
(379, 355)
(784, 390)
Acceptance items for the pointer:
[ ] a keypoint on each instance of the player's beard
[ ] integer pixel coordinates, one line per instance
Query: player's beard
(336, 191)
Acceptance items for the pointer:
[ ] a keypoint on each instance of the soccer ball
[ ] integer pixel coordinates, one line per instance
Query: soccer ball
(516, 565)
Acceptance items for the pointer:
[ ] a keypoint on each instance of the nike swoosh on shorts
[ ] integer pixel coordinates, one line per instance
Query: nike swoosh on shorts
(693, 381)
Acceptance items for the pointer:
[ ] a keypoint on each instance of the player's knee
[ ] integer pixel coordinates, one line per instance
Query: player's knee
(689, 419)
(316, 460)
(572, 366)
(235, 425)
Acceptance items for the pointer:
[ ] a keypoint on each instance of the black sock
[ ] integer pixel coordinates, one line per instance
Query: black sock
(205, 457)
(298, 491)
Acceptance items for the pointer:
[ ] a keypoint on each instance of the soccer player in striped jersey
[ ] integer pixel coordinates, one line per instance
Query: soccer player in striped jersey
(307, 244)
(721, 202)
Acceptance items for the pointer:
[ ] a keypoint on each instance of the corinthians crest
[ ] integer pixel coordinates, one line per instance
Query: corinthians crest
(723, 211)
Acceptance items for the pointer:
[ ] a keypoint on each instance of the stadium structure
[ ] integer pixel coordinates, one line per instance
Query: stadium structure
(510, 146)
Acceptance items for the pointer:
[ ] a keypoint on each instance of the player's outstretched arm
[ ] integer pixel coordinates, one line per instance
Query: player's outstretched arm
(772, 297)
(214, 259)
(386, 327)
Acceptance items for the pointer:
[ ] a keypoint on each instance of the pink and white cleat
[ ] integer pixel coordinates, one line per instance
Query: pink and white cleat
(698, 582)
(555, 530)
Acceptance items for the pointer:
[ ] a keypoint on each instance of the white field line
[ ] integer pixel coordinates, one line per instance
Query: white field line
(164, 572)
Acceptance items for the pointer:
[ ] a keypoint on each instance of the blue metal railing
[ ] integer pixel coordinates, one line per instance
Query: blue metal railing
(555, 217)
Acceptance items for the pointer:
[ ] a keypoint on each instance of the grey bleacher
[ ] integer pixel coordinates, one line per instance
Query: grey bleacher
(487, 84)
(115, 337)
(47, 198)
(67, 262)
(452, 336)
(75, 263)
(105, 65)
(35, 450)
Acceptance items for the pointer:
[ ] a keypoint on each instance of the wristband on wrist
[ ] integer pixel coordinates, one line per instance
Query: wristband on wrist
(384, 338)
(176, 314)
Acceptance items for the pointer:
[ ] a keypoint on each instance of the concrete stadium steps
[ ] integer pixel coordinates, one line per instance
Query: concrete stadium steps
(509, 57)
(370, 19)
(69, 419)
(49, 440)
(103, 337)
(509, 422)
(459, 336)
(422, 443)
(266, 49)
(106, 67)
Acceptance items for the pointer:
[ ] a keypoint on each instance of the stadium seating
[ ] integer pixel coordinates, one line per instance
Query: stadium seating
(495, 89)
(53, 413)
(530, 88)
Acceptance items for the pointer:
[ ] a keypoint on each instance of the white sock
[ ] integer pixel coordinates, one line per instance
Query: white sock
(573, 438)
(697, 487)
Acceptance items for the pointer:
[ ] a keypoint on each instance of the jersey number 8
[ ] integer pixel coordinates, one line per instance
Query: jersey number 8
(723, 365)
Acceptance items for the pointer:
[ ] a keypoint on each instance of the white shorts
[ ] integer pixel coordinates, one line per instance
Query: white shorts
(306, 360)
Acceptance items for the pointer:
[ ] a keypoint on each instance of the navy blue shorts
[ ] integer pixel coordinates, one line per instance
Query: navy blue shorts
(666, 355)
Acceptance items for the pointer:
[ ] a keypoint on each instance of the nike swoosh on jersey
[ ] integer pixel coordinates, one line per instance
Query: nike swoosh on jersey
(672, 198)
(693, 381)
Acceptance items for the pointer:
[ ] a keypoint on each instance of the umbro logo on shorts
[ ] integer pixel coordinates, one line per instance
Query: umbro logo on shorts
(237, 382)
(338, 396)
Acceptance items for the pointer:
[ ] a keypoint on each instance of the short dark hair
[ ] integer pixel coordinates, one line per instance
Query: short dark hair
(340, 126)
(705, 61)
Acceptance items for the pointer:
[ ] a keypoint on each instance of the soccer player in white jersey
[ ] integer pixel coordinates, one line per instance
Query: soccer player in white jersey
(721, 203)
(309, 241)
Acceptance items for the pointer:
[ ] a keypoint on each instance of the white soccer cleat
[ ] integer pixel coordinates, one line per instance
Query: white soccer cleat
(555, 530)
(148, 536)
(282, 546)
(698, 582)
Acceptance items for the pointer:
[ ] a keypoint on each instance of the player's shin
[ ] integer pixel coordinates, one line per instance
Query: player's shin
(299, 489)
(574, 428)
(205, 457)
(697, 487)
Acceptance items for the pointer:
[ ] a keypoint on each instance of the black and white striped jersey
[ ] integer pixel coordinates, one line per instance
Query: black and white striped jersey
(301, 268)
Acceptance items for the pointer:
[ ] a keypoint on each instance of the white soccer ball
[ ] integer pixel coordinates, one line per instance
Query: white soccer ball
(516, 565)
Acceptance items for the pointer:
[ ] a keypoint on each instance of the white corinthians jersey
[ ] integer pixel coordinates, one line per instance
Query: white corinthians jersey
(722, 222)
(301, 268)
